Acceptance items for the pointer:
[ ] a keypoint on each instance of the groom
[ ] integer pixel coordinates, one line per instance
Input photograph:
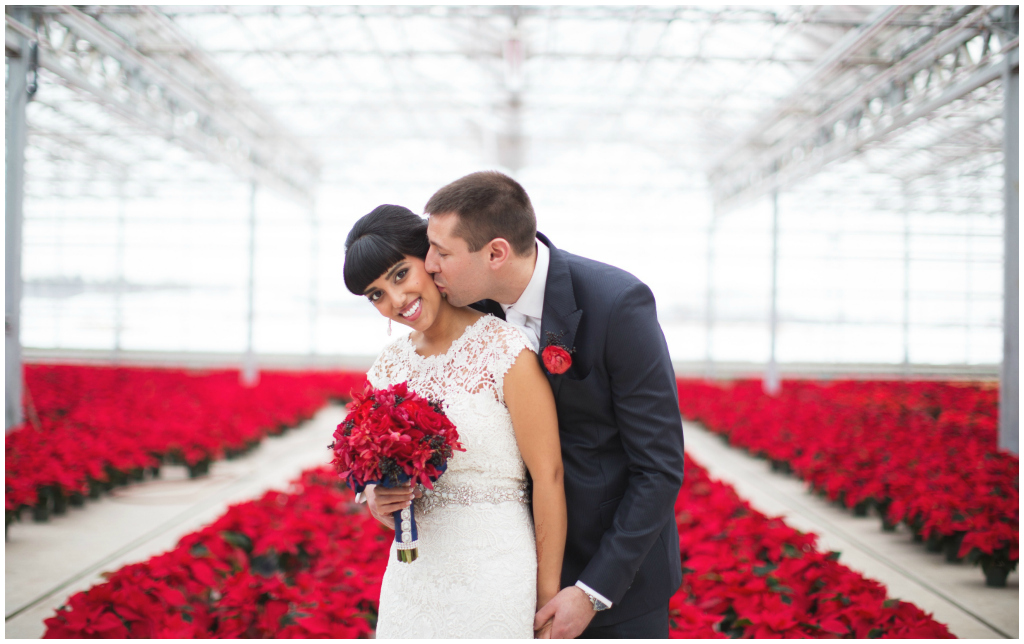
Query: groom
(596, 330)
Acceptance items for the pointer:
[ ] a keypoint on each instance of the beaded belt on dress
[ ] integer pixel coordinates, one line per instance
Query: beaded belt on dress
(444, 495)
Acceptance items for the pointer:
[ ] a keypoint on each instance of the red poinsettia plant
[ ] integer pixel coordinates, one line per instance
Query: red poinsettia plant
(392, 437)
(86, 436)
(922, 453)
(307, 563)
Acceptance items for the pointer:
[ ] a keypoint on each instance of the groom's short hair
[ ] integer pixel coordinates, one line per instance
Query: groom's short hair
(489, 205)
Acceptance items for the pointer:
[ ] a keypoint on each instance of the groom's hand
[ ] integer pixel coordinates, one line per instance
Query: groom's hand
(383, 501)
(570, 612)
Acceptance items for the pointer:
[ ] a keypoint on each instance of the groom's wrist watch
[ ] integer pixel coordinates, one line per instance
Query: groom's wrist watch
(596, 602)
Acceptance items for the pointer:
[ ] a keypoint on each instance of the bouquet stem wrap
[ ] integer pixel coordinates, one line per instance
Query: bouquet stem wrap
(406, 537)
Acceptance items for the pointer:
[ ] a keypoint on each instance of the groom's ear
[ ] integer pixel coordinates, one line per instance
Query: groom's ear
(498, 252)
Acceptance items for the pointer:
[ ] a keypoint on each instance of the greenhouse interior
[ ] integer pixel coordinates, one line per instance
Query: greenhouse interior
(822, 199)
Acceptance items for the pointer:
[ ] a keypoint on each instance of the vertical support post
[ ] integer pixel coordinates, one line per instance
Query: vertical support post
(17, 101)
(314, 265)
(709, 303)
(1009, 382)
(906, 282)
(250, 374)
(119, 283)
(772, 384)
(968, 289)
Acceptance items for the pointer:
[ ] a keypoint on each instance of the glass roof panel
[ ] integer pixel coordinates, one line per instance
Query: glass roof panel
(613, 118)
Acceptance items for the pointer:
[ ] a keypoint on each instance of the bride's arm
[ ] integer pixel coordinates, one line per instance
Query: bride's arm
(532, 407)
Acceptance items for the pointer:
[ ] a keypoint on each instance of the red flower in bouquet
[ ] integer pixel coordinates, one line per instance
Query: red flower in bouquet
(393, 436)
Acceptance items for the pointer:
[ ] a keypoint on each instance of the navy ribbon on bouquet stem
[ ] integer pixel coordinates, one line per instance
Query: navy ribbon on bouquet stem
(405, 534)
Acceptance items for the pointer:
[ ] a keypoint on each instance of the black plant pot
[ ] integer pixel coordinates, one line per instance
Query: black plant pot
(76, 499)
(916, 525)
(883, 511)
(861, 509)
(782, 467)
(996, 573)
(60, 501)
(934, 543)
(952, 546)
(41, 510)
(154, 472)
(117, 477)
(137, 474)
(96, 488)
(199, 469)
(840, 500)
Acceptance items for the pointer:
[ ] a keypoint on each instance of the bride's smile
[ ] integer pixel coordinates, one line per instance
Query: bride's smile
(412, 312)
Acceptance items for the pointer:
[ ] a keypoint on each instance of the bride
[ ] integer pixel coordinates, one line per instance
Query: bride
(484, 567)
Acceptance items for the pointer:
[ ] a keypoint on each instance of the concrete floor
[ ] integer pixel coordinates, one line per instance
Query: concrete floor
(955, 594)
(48, 562)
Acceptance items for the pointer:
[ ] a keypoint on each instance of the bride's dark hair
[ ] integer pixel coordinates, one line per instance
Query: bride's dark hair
(380, 240)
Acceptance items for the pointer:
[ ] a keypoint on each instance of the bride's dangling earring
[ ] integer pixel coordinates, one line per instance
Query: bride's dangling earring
(389, 328)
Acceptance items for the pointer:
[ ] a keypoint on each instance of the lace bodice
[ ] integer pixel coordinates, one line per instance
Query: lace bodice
(469, 381)
(477, 569)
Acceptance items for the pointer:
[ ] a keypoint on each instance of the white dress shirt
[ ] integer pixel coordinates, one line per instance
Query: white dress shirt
(527, 311)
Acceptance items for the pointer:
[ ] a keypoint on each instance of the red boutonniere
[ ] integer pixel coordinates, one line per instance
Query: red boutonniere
(557, 359)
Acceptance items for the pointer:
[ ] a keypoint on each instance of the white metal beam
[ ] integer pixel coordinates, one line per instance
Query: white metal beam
(1009, 382)
(250, 372)
(17, 101)
(114, 74)
(906, 280)
(772, 385)
(709, 302)
(845, 49)
(793, 144)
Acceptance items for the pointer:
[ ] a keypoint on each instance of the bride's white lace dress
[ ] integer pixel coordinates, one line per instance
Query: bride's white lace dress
(476, 575)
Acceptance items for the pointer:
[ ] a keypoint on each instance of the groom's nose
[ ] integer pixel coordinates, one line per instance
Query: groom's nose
(430, 263)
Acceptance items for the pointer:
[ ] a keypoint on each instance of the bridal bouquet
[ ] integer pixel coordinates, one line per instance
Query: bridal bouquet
(392, 437)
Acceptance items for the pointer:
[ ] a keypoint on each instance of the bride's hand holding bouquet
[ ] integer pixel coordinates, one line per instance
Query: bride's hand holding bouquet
(382, 502)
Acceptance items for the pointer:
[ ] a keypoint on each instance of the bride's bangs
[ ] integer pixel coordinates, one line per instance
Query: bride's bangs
(380, 240)
(367, 259)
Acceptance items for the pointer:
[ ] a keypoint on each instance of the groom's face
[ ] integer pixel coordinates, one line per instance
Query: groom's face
(460, 275)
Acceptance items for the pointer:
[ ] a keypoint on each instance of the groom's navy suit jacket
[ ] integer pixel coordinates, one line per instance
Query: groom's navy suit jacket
(621, 434)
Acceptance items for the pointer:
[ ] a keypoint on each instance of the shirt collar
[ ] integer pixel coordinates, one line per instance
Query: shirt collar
(531, 302)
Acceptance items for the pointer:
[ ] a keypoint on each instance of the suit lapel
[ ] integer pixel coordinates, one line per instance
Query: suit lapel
(560, 318)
